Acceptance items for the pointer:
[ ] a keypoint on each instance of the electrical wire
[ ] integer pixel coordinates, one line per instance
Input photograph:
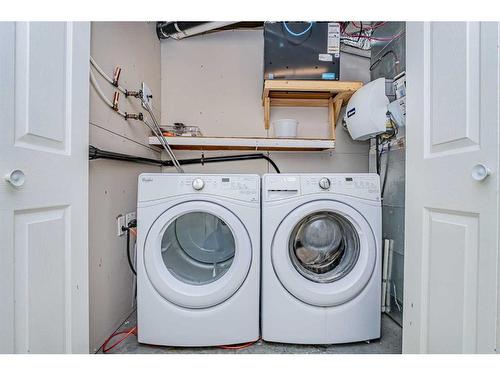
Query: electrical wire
(393, 319)
(396, 296)
(129, 257)
(361, 28)
(95, 153)
(128, 333)
(239, 346)
(378, 39)
(372, 27)
(376, 62)
(297, 34)
(364, 33)
(382, 190)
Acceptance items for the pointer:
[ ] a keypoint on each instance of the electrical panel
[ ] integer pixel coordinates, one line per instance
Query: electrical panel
(302, 50)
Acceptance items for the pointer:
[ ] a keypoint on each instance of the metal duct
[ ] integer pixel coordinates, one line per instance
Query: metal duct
(180, 30)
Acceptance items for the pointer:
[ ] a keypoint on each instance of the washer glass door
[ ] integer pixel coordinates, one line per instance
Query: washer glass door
(324, 252)
(198, 247)
(324, 246)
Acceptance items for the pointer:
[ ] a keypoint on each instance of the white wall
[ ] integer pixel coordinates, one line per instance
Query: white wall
(215, 81)
(113, 185)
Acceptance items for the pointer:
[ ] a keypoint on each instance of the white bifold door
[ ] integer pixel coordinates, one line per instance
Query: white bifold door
(452, 187)
(44, 187)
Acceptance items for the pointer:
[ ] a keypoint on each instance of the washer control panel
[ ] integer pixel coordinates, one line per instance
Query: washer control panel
(358, 185)
(361, 185)
(162, 185)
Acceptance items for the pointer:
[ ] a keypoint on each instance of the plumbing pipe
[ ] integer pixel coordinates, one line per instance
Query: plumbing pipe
(389, 277)
(384, 274)
(181, 30)
(103, 96)
(105, 76)
(158, 133)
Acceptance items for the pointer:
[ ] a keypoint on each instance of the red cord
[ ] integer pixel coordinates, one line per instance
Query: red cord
(373, 27)
(238, 346)
(126, 333)
(133, 331)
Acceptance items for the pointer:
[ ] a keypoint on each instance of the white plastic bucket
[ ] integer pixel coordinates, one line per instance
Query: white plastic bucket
(285, 128)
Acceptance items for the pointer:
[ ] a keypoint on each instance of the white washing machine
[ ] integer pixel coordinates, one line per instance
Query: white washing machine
(198, 259)
(321, 258)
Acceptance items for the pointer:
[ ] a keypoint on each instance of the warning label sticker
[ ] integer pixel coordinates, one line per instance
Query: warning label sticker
(333, 44)
(325, 57)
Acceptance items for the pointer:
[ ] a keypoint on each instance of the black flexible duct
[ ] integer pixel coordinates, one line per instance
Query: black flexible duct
(95, 153)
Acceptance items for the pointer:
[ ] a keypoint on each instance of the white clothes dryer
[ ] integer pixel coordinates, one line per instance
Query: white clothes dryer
(198, 259)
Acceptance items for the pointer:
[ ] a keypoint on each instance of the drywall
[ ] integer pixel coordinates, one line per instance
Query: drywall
(113, 185)
(215, 81)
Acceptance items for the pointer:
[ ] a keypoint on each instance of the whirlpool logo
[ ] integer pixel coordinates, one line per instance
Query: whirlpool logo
(147, 179)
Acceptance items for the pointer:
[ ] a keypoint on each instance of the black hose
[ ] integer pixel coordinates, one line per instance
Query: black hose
(271, 161)
(386, 169)
(129, 258)
(379, 60)
(377, 154)
(95, 153)
(219, 159)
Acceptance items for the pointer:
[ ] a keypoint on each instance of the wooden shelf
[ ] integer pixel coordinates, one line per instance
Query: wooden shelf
(246, 143)
(331, 94)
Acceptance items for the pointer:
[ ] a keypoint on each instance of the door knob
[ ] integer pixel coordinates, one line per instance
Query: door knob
(480, 172)
(16, 178)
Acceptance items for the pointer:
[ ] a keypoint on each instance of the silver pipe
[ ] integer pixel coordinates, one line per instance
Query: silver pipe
(384, 275)
(157, 132)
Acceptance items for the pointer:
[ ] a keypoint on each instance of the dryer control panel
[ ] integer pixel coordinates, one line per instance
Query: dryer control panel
(162, 185)
(360, 185)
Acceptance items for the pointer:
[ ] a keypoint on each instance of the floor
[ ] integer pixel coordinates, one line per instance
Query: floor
(390, 343)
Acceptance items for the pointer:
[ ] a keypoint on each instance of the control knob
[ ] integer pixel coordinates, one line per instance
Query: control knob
(198, 184)
(324, 183)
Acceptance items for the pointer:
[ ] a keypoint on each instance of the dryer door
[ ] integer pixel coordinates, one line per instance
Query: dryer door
(197, 254)
(324, 253)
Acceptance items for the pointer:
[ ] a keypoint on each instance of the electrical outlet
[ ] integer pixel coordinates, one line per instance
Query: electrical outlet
(129, 217)
(120, 222)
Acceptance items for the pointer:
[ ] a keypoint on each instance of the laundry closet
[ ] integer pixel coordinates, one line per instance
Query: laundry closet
(214, 95)
(215, 81)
